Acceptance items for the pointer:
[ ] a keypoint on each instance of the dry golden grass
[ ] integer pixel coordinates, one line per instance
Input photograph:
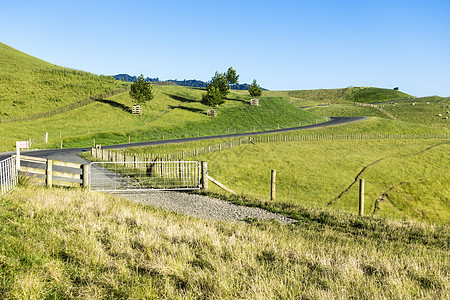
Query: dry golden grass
(75, 244)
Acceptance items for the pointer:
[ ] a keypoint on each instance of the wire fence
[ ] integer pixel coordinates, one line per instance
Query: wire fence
(116, 156)
(379, 108)
(145, 175)
(63, 109)
(8, 175)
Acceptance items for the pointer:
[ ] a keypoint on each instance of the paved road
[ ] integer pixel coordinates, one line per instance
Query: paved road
(71, 155)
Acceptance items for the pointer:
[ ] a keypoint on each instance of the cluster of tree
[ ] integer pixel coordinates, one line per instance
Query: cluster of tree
(189, 83)
(216, 89)
(128, 78)
(219, 86)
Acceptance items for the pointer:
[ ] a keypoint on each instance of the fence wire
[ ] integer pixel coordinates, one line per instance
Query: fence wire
(8, 175)
(155, 175)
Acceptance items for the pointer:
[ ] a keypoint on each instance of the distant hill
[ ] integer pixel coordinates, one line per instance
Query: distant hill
(190, 83)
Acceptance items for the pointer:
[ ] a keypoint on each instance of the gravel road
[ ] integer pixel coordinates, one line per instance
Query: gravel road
(203, 206)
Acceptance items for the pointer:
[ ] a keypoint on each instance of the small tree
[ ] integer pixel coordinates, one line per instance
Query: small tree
(254, 89)
(232, 78)
(141, 91)
(396, 88)
(213, 97)
(220, 82)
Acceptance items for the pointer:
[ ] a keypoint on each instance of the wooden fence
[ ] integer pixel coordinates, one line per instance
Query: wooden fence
(115, 156)
(62, 109)
(52, 172)
(389, 115)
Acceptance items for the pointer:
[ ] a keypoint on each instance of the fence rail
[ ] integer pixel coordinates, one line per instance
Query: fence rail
(8, 175)
(52, 172)
(115, 156)
(62, 109)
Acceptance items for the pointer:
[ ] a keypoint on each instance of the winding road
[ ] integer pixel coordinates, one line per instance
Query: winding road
(72, 154)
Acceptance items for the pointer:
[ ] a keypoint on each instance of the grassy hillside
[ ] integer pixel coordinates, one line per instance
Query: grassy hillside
(29, 85)
(429, 111)
(342, 96)
(175, 112)
(73, 244)
(373, 95)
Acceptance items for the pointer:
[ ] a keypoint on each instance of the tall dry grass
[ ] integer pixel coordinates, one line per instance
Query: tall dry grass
(75, 244)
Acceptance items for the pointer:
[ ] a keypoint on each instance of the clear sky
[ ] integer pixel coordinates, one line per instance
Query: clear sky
(283, 44)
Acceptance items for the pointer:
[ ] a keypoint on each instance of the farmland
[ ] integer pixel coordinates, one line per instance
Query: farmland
(79, 244)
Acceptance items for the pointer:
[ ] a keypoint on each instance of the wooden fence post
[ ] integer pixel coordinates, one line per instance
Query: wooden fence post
(361, 197)
(85, 176)
(204, 181)
(49, 174)
(273, 178)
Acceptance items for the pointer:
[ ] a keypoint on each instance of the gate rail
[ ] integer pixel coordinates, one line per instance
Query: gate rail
(153, 175)
(8, 175)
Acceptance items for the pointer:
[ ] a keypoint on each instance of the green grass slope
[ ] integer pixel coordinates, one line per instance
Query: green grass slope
(29, 85)
(74, 244)
(373, 95)
(340, 96)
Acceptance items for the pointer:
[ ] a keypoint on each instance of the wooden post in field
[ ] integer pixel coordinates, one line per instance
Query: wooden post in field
(61, 144)
(85, 176)
(129, 139)
(273, 179)
(204, 181)
(49, 173)
(361, 197)
(46, 137)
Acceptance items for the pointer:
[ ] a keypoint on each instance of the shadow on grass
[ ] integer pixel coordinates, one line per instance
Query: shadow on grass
(191, 109)
(182, 99)
(115, 104)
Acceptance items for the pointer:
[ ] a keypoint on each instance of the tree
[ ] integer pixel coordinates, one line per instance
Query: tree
(220, 82)
(141, 91)
(213, 97)
(254, 89)
(232, 78)
(396, 88)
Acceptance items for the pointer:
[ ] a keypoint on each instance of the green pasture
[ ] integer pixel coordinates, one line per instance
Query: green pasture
(29, 85)
(425, 111)
(327, 96)
(413, 173)
(368, 126)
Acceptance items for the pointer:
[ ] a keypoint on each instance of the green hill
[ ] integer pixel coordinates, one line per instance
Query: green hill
(340, 96)
(29, 85)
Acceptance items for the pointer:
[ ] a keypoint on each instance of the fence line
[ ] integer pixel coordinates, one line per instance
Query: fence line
(63, 109)
(378, 107)
(115, 156)
(8, 175)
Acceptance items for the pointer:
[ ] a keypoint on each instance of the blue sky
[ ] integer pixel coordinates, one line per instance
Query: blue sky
(282, 44)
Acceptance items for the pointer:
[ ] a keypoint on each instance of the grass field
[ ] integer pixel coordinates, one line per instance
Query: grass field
(29, 85)
(75, 244)
(342, 96)
(175, 112)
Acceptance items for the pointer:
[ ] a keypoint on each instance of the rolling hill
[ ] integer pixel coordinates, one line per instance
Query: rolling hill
(29, 85)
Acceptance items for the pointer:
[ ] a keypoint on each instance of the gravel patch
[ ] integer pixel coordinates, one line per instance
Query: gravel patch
(203, 206)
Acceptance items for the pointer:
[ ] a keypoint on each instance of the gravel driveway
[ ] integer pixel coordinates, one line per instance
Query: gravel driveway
(203, 206)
